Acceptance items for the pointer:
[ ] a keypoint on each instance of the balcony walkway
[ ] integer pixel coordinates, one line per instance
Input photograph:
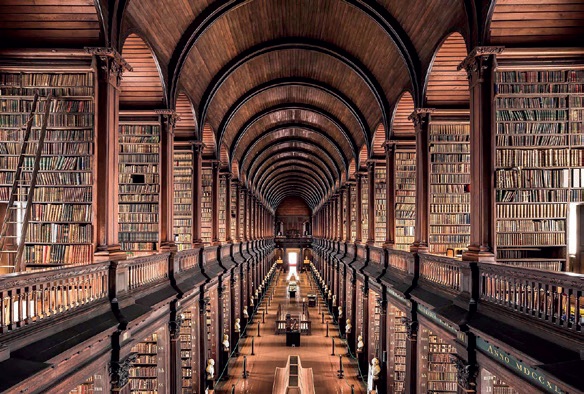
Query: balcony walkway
(271, 351)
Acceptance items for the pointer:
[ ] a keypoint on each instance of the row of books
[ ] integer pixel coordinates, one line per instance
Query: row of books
(538, 158)
(532, 115)
(49, 148)
(531, 225)
(532, 178)
(449, 157)
(58, 254)
(532, 102)
(55, 120)
(138, 246)
(46, 79)
(136, 178)
(59, 233)
(66, 106)
(534, 239)
(69, 135)
(135, 198)
(136, 148)
(61, 213)
(552, 88)
(148, 139)
(128, 158)
(58, 92)
(139, 188)
(137, 235)
(531, 211)
(141, 227)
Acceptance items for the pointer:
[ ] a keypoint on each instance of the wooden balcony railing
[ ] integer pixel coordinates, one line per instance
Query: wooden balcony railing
(555, 298)
(187, 259)
(27, 298)
(400, 259)
(442, 271)
(146, 270)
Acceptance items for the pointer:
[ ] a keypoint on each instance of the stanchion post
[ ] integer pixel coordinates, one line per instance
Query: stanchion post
(333, 344)
(252, 347)
(259, 329)
(340, 373)
(322, 317)
(245, 373)
(326, 329)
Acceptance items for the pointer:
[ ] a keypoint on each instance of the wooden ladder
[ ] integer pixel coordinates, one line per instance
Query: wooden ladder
(15, 202)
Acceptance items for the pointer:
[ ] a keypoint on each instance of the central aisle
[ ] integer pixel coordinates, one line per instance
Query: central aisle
(271, 350)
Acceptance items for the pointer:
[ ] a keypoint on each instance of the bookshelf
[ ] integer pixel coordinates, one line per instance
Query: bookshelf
(241, 213)
(86, 387)
(233, 207)
(186, 350)
(221, 214)
(353, 216)
(397, 350)
(183, 198)
(380, 203)
(436, 365)
(492, 384)
(538, 164)
(139, 185)
(60, 230)
(144, 370)
(405, 198)
(364, 208)
(206, 204)
(449, 143)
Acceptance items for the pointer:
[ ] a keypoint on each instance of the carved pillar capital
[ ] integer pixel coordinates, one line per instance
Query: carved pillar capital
(169, 116)
(420, 117)
(476, 63)
(110, 63)
(119, 371)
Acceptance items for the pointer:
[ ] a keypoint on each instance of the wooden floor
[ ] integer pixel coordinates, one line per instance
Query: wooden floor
(271, 351)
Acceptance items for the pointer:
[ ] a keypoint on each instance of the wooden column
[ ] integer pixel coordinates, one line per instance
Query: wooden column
(382, 304)
(390, 194)
(215, 204)
(479, 66)
(421, 118)
(348, 217)
(359, 198)
(169, 118)
(411, 353)
(110, 66)
(342, 217)
(197, 191)
(228, 207)
(245, 214)
(371, 203)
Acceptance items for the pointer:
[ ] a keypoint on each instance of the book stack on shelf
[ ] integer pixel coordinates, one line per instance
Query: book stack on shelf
(143, 372)
(538, 168)
(364, 208)
(380, 204)
(60, 227)
(221, 214)
(353, 216)
(397, 342)
(241, 213)
(375, 326)
(492, 384)
(84, 388)
(183, 198)
(441, 371)
(186, 349)
(449, 144)
(206, 205)
(139, 187)
(405, 199)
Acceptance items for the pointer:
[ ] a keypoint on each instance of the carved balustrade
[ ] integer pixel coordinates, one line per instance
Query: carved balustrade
(400, 259)
(146, 270)
(31, 297)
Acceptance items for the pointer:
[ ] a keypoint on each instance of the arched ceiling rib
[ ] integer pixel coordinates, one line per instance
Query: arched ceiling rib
(285, 175)
(297, 165)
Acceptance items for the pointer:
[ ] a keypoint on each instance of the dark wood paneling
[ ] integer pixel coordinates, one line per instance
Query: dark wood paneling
(401, 125)
(378, 141)
(46, 23)
(186, 125)
(142, 87)
(446, 86)
(210, 147)
(538, 22)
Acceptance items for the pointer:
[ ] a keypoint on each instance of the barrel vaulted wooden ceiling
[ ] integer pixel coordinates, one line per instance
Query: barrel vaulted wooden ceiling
(293, 96)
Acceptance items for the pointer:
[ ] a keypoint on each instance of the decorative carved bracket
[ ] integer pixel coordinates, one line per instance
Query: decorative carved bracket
(120, 371)
(476, 63)
(175, 325)
(466, 374)
(420, 116)
(411, 327)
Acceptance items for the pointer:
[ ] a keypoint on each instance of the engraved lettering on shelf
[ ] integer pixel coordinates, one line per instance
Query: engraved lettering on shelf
(518, 367)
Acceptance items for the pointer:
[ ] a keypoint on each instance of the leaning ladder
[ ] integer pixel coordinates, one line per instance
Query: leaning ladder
(14, 207)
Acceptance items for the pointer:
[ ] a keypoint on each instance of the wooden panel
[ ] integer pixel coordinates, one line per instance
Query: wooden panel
(141, 88)
(186, 125)
(224, 155)
(44, 23)
(209, 141)
(538, 22)
(378, 141)
(293, 206)
(363, 156)
(352, 169)
(447, 87)
(400, 123)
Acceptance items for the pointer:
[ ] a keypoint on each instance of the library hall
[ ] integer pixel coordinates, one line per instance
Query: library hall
(291, 196)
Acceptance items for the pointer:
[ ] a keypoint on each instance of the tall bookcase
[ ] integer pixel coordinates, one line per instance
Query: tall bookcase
(380, 203)
(60, 230)
(364, 208)
(233, 207)
(241, 213)
(186, 352)
(206, 203)
(436, 365)
(539, 175)
(183, 198)
(146, 370)
(449, 143)
(84, 388)
(222, 203)
(139, 183)
(397, 350)
(353, 216)
(405, 198)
